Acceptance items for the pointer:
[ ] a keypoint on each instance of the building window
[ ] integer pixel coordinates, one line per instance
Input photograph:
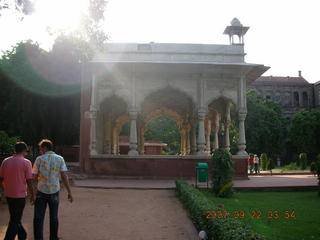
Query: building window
(296, 99)
(305, 99)
(268, 97)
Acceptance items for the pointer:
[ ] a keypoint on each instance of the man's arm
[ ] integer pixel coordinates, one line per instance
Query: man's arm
(31, 190)
(65, 180)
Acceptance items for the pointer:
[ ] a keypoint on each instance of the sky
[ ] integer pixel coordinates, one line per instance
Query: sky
(283, 34)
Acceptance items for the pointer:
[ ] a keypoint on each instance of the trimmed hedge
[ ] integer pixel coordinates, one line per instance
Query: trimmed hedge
(198, 205)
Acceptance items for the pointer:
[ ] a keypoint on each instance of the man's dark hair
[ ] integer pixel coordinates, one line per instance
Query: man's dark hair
(20, 147)
(46, 143)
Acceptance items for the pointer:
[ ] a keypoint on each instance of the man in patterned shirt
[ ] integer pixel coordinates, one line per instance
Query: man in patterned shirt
(47, 170)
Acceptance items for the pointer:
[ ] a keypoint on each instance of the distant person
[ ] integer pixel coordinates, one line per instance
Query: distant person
(251, 163)
(47, 170)
(256, 164)
(16, 177)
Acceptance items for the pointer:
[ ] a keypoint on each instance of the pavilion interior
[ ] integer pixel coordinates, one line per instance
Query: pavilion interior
(113, 115)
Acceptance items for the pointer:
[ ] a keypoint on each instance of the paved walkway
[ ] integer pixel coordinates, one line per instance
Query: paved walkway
(115, 214)
(253, 182)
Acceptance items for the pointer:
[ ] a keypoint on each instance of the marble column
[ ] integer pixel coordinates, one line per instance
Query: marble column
(133, 133)
(201, 141)
(93, 117)
(93, 132)
(114, 141)
(227, 122)
(193, 139)
(242, 134)
(242, 113)
(216, 132)
(208, 134)
(188, 141)
(183, 140)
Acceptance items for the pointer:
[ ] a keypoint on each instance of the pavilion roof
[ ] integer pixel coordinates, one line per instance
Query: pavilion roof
(279, 80)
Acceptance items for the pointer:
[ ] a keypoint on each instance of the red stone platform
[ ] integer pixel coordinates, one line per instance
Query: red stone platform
(156, 166)
(307, 182)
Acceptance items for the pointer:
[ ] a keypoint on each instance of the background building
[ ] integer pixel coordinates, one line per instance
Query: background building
(293, 93)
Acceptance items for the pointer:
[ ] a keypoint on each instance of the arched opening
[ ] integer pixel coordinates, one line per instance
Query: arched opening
(113, 118)
(218, 124)
(305, 99)
(166, 117)
(296, 99)
(162, 137)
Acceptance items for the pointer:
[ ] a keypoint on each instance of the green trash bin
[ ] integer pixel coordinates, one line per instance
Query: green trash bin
(202, 173)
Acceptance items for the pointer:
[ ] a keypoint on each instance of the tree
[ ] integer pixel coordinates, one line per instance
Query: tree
(265, 126)
(305, 132)
(43, 90)
(264, 160)
(222, 171)
(270, 165)
(91, 30)
(166, 130)
(7, 143)
(22, 6)
(303, 160)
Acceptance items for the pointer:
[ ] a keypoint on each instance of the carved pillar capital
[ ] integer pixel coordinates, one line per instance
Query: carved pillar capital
(242, 113)
(133, 113)
(202, 113)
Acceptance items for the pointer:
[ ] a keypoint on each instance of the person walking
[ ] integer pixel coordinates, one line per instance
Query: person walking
(47, 170)
(256, 164)
(251, 163)
(16, 178)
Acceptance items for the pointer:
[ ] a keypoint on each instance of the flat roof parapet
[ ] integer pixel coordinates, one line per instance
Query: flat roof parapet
(170, 52)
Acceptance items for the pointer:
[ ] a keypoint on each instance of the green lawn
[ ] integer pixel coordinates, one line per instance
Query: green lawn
(304, 208)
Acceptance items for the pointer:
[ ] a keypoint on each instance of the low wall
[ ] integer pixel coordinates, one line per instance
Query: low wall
(157, 166)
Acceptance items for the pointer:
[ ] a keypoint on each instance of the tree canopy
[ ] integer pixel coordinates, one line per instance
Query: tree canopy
(305, 131)
(40, 93)
(166, 130)
(22, 6)
(265, 126)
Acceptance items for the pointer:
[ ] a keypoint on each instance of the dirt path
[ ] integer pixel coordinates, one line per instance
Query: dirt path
(100, 214)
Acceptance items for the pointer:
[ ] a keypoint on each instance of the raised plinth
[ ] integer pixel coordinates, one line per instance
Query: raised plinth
(157, 166)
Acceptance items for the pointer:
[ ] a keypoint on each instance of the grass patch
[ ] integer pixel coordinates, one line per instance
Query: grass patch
(305, 225)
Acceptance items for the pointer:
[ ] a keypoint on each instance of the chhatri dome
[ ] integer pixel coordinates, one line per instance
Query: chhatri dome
(236, 22)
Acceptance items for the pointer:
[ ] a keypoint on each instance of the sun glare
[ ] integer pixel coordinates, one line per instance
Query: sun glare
(62, 15)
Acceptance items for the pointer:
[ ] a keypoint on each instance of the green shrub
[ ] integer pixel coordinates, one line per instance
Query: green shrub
(318, 165)
(270, 165)
(318, 171)
(222, 170)
(298, 161)
(313, 168)
(7, 143)
(198, 206)
(303, 160)
(264, 160)
(291, 166)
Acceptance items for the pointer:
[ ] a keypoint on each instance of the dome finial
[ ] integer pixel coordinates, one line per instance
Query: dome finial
(235, 22)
